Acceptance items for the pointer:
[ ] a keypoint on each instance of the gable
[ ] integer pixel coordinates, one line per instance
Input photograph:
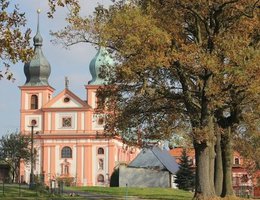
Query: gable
(66, 99)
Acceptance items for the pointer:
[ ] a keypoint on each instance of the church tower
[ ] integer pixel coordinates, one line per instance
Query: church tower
(36, 91)
(66, 131)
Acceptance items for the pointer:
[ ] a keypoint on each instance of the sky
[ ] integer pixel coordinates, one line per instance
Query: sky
(73, 63)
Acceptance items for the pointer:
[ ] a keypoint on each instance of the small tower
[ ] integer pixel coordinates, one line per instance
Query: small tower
(38, 70)
(36, 91)
(101, 59)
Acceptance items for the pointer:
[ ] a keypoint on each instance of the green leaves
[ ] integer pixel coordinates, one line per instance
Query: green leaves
(13, 149)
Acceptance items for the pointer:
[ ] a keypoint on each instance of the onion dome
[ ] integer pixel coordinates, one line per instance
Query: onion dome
(101, 59)
(37, 71)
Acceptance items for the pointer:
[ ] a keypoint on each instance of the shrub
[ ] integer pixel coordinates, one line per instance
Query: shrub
(66, 180)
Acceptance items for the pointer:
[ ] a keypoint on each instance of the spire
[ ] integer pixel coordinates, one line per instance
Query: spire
(101, 59)
(38, 38)
(37, 71)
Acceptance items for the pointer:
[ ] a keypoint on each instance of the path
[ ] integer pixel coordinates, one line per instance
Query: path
(93, 196)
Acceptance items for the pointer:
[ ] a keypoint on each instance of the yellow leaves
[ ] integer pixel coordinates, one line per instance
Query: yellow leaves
(15, 45)
(137, 37)
(72, 5)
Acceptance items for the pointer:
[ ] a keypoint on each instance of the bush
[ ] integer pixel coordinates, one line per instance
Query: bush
(66, 180)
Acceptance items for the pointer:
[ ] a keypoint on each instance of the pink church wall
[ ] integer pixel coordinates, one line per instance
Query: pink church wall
(83, 166)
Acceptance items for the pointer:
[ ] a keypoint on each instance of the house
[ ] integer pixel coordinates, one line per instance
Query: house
(243, 182)
(152, 167)
(67, 132)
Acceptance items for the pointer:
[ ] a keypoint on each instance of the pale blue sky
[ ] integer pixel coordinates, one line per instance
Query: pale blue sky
(73, 63)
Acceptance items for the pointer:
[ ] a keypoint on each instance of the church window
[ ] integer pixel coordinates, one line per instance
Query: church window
(66, 99)
(34, 102)
(100, 121)
(236, 161)
(66, 122)
(100, 150)
(66, 152)
(33, 122)
(100, 178)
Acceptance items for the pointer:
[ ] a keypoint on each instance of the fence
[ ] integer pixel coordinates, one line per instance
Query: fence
(22, 190)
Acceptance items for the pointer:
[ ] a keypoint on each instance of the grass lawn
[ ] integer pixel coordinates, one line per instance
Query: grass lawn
(146, 193)
(12, 192)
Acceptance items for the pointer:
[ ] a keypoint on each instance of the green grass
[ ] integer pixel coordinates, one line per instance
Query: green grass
(146, 193)
(12, 192)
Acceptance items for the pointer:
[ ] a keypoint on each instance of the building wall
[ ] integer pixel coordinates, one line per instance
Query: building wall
(84, 165)
(139, 177)
(84, 136)
(242, 181)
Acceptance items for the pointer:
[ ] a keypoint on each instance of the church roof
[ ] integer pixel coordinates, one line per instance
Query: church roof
(101, 59)
(38, 69)
(155, 158)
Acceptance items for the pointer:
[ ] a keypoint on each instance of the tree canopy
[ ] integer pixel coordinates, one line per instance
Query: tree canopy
(13, 149)
(179, 64)
(15, 44)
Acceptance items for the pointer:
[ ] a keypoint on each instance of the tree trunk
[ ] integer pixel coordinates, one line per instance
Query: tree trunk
(227, 157)
(212, 166)
(218, 176)
(203, 189)
(212, 154)
(13, 176)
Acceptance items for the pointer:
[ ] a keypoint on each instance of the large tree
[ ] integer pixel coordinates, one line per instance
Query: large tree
(179, 64)
(14, 148)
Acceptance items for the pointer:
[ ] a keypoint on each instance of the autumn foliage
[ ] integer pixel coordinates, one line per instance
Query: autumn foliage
(190, 65)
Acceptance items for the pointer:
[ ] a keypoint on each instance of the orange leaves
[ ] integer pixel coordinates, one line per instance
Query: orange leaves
(133, 32)
(193, 56)
(72, 5)
(15, 44)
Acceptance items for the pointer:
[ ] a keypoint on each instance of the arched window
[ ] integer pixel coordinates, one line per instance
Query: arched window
(100, 178)
(66, 152)
(34, 102)
(100, 150)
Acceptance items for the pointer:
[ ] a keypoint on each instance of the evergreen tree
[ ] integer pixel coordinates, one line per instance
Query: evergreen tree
(185, 178)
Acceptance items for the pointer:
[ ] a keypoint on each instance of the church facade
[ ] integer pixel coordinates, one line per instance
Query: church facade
(67, 133)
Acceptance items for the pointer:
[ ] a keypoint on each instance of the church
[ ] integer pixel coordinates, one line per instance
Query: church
(66, 132)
